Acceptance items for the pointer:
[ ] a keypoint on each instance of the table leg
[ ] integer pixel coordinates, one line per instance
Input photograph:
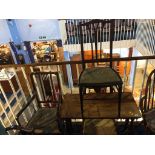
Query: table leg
(81, 99)
(68, 126)
(119, 100)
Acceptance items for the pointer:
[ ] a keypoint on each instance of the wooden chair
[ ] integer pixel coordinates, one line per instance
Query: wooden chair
(97, 77)
(147, 104)
(47, 86)
(43, 120)
(44, 106)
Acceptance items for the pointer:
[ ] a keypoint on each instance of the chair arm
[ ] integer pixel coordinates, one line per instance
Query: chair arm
(25, 106)
(13, 127)
(20, 128)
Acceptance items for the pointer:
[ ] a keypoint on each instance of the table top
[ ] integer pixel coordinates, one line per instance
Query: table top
(99, 76)
(99, 106)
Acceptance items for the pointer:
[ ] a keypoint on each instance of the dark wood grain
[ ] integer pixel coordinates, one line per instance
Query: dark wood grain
(99, 106)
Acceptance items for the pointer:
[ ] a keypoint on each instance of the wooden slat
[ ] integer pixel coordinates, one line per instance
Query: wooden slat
(105, 106)
(80, 62)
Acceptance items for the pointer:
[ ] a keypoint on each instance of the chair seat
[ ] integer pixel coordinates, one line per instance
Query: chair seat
(99, 127)
(99, 76)
(46, 120)
(150, 119)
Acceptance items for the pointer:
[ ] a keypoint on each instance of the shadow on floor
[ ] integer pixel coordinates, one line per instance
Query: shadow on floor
(138, 129)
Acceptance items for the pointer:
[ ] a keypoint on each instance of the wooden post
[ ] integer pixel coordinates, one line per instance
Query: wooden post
(130, 52)
(82, 50)
(112, 26)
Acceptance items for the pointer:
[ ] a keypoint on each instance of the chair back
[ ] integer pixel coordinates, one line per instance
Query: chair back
(148, 101)
(94, 32)
(47, 87)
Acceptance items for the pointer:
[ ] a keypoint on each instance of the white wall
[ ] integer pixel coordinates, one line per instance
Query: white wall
(140, 63)
(122, 51)
(63, 30)
(5, 35)
(40, 27)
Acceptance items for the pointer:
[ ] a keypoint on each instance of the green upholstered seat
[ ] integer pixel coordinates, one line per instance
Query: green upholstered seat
(99, 76)
(46, 120)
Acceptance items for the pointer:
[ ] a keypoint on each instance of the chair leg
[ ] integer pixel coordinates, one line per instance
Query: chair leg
(119, 100)
(146, 129)
(131, 131)
(126, 125)
(129, 126)
(81, 99)
(83, 126)
(61, 125)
